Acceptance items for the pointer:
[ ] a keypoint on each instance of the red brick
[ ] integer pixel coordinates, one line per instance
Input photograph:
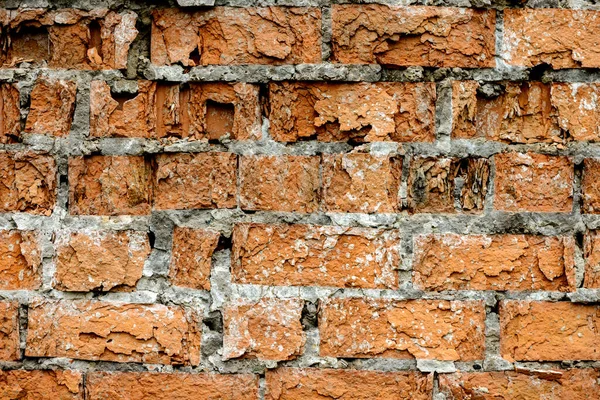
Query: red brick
(279, 183)
(268, 329)
(403, 36)
(308, 255)
(357, 182)
(41, 385)
(100, 260)
(52, 107)
(109, 185)
(195, 181)
(494, 262)
(592, 260)
(191, 257)
(422, 329)
(10, 113)
(315, 384)
(364, 112)
(231, 35)
(560, 38)
(533, 182)
(590, 186)
(20, 260)
(157, 386)
(545, 331)
(9, 331)
(95, 330)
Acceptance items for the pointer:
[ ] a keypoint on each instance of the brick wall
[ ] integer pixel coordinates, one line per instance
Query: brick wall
(299, 199)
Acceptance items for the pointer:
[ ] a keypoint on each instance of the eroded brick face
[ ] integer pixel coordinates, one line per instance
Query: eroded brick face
(191, 257)
(20, 260)
(9, 331)
(41, 384)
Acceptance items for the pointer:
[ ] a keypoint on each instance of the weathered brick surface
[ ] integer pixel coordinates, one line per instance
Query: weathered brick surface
(191, 257)
(423, 329)
(95, 330)
(52, 107)
(313, 383)
(41, 385)
(10, 126)
(592, 259)
(545, 331)
(9, 331)
(494, 262)
(20, 260)
(590, 190)
(308, 255)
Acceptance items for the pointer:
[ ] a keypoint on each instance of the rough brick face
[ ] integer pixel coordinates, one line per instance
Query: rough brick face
(20, 260)
(592, 260)
(93, 330)
(9, 331)
(10, 118)
(423, 329)
(589, 186)
(533, 182)
(315, 384)
(308, 255)
(364, 112)
(52, 107)
(494, 262)
(191, 257)
(41, 385)
(404, 36)
(570, 331)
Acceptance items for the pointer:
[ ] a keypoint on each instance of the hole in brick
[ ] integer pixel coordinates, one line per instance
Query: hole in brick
(95, 37)
(30, 43)
(121, 98)
(219, 119)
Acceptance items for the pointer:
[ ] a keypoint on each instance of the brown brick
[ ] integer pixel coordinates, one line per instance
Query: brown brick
(279, 183)
(191, 257)
(592, 260)
(432, 183)
(109, 185)
(157, 386)
(560, 38)
(41, 385)
(28, 182)
(545, 331)
(357, 182)
(315, 384)
(533, 182)
(20, 260)
(100, 260)
(52, 107)
(576, 110)
(590, 186)
(308, 255)
(534, 385)
(403, 36)
(268, 329)
(422, 329)
(10, 113)
(363, 112)
(68, 38)
(96, 330)
(494, 262)
(230, 35)
(9, 332)
(195, 181)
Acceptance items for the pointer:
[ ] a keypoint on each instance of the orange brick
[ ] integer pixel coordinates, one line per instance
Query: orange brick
(52, 107)
(20, 260)
(41, 385)
(545, 331)
(10, 113)
(494, 262)
(268, 329)
(533, 182)
(422, 329)
(191, 257)
(102, 331)
(364, 112)
(9, 332)
(308, 255)
(590, 186)
(403, 36)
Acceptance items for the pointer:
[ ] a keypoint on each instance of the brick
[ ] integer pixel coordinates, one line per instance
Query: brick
(533, 182)
(559, 38)
(10, 113)
(9, 331)
(591, 249)
(230, 36)
(432, 183)
(20, 260)
(494, 262)
(576, 111)
(542, 385)
(279, 183)
(195, 181)
(109, 185)
(41, 385)
(100, 260)
(315, 383)
(590, 189)
(159, 386)
(363, 112)
(308, 255)
(28, 182)
(357, 182)
(403, 36)
(52, 107)
(191, 257)
(68, 38)
(268, 329)
(569, 331)
(103, 331)
(423, 329)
